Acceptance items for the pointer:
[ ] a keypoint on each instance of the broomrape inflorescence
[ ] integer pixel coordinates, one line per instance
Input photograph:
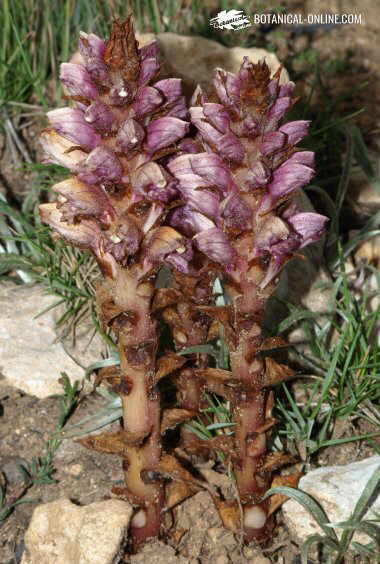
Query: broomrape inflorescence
(146, 192)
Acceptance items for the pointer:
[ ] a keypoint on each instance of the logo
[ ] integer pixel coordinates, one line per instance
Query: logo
(231, 19)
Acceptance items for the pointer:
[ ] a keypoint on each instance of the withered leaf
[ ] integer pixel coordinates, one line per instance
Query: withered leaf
(276, 460)
(277, 500)
(165, 297)
(175, 416)
(276, 373)
(229, 514)
(176, 492)
(168, 363)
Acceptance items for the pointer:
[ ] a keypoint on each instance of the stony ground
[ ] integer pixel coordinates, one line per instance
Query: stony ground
(196, 534)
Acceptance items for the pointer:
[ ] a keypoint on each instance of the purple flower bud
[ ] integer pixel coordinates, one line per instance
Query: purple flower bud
(171, 88)
(216, 246)
(227, 144)
(295, 130)
(60, 151)
(277, 112)
(199, 170)
(149, 51)
(290, 176)
(77, 81)
(100, 166)
(92, 49)
(227, 86)
(164, 131)
(147, 100)
(148, 70)
(309, 226)
(188, 221)
(90, 45)
(272, 142)
(70, 123)
(217, 116)
(130, 135)
(99, 116)
(78, 199)
(272, 230)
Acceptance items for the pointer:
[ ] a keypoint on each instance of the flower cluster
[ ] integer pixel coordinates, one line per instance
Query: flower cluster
(122, 123)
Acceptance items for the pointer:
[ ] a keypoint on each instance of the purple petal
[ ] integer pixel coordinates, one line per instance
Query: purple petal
(99, 116)
(215, 245)
(164, 131)
(310, 226)
(286, 89)
(70, 123)
(123, 240)
(100, 166)
(203, 201)
(130, 135)
(147, 100)
(59, 150)
(271, 231)
(77, 81)
(178, 108)
(295, 130)
(78, 199)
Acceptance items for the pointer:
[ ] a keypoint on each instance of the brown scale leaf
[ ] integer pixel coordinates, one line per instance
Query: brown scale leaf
(124, 493)
(229, 514)
(111, 443)
(275, 460)
(277, 500)
(223, 443)
(276, 373)
(175, 416)
(168, 363)
(165, 297)
(176, 492)
(121, 52)
(171, 467)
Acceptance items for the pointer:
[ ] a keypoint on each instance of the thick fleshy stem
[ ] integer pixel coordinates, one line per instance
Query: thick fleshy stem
(237, 179)
(114, 141)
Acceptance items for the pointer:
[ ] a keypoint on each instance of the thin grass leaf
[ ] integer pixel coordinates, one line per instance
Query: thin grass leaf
(304, 499)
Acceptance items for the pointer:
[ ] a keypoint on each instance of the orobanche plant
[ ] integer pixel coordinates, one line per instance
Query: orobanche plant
(211, 202)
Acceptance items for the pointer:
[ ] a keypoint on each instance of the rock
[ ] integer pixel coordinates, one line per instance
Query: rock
(63, 533)
(156, 552)
(336, 489)
(205, 56)
(362, 196)
(31, 358)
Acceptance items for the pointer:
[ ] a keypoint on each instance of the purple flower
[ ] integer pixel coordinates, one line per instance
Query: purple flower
(189, 221)
(216, 246)
(101, 166)
(153, 182)
(78, 199)
(71, 123)
(147, 100)
(295, 131)
(164, 131)
(130, 135)
(77, 81)
(99, 116)
(310, 226)
(59, 150)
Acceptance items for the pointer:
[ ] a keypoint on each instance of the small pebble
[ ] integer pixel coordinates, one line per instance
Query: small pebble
(75, 470)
